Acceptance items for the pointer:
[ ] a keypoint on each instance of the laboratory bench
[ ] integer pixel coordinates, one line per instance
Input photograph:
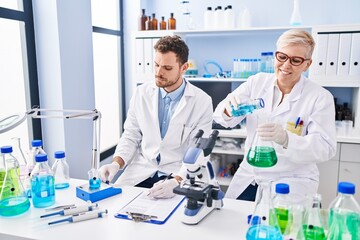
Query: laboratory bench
(226, 223)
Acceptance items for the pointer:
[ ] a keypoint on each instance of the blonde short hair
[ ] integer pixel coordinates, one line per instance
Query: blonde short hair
(297, 37)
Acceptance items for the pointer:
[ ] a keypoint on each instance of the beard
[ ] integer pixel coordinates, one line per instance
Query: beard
(166, 82)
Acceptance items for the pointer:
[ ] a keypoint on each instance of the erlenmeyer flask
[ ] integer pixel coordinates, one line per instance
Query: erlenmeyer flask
(263, 223)
(294, 230)
(18, 153)
(313, 227)
(261, 153)
(13, 198)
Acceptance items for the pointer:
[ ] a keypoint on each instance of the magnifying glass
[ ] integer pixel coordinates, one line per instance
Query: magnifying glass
(10, 122)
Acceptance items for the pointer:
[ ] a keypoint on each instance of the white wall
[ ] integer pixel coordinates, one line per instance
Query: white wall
(63, 35)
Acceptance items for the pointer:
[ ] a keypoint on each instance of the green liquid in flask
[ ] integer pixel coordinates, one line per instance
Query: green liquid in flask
(313, 232)
(262, 156)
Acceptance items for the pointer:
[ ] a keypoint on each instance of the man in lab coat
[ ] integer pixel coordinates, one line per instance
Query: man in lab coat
(300, 121)
(162, 119)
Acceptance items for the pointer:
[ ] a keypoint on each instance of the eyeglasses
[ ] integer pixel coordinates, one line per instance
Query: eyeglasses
(295, 61)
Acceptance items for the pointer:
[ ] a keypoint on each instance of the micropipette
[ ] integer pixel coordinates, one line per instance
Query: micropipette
(82, 216)
(73, 210)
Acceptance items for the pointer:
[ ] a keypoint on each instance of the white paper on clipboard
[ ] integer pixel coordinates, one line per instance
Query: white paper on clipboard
(152, 210)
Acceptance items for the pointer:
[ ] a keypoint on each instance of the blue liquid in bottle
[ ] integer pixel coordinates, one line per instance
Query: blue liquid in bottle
(43, 191)
(94, 183)
(247, 108)
(263, 232)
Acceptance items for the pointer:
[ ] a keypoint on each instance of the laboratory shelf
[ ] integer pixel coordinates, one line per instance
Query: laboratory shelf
(200, 79)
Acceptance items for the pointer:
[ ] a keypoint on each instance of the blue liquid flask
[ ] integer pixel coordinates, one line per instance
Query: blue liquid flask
(263, 224)
(247, 107)
(60, 169)
(42, 183)
(13, 198)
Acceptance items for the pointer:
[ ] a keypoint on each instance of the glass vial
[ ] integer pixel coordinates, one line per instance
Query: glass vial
(13, 198)
(171, 22)
(154, 22)
(42, 183)
(142, 20)
(162, 24)
(60, 169)
(296, 16)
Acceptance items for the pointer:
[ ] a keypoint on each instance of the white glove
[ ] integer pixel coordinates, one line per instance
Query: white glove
(273, 132)
(163, 189)
(108, 171)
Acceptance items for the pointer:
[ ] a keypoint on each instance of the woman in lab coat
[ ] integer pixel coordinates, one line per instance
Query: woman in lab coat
(155, 140)
(300, 121)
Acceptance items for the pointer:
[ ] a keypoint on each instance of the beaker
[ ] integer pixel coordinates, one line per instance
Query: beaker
(263, 222)
(261, 153)
(94, 179)
(13, 198)
(313, 227)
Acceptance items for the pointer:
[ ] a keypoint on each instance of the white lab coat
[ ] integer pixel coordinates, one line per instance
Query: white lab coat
(316, 143)
(141, 141)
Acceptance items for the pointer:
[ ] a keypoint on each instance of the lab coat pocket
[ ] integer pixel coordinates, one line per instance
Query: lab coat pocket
(177, 134)
(294, 128)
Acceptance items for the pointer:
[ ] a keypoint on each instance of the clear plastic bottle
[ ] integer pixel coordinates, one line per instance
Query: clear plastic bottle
(344, 215)
(162, 24)
(42, 183)
(13, 198)
(142, 20)
(229, 18)
(171, 22)
(247, 107)
(218, 18)
(208, 19)
(313, 226)
(60, 169)
(282, 204)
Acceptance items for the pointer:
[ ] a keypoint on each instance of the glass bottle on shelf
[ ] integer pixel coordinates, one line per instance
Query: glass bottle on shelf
(171, 22)
(313, 227)
(154, 22)
(148, 23)
(261, 153)
(263, 222)
(13, 198)
(162, 24)
(142, 20)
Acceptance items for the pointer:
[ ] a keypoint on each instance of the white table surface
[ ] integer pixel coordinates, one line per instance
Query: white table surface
(227, 223)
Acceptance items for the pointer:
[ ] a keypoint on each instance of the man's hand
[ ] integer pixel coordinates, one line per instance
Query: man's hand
(164, 189)
(273, 132)
(108, 171)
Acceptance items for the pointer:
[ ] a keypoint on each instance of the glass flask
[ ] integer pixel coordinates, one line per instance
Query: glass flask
(261, 153)
(263, 223)
(313, 227)
(61, 170)
(42, 183)
(282, 204)
(294, 230)
(13, 198)
(247, 107)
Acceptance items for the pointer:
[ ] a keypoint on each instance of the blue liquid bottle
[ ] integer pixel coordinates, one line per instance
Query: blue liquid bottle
(247, 107)
(61, 171)
(42, 183)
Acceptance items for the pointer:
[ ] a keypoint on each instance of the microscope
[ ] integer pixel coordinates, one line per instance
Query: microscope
(200, 188)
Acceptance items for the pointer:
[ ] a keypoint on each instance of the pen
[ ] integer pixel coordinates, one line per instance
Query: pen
(167, 178)
(297, 122)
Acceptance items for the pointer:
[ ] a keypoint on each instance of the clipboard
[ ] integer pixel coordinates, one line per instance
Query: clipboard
(146, 209)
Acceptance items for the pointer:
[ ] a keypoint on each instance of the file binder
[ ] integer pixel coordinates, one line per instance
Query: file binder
(139, 54)
(344, 54)
(320, 54)
(148, 56)
(355, 55)
(146, 209)
(332, 54)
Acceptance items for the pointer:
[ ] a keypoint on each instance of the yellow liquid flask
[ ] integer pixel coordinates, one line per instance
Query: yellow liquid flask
(261, 153)
(263, 224)
(13, 198)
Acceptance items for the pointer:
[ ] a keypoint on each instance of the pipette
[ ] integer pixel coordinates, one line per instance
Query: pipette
(82, 216)
(73, 210)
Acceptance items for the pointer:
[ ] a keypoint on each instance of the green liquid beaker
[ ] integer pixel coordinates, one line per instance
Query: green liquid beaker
(13, 198)
(262, 156)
